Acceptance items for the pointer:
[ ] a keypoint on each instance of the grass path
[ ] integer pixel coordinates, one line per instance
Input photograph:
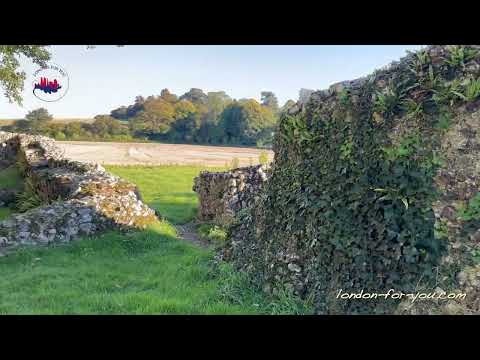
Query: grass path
(169, 192)
(188, 232)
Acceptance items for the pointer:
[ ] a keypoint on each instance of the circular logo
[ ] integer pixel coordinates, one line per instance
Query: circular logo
(50, 83)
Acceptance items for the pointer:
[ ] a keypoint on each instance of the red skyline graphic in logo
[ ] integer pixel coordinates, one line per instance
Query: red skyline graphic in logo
(47, 86)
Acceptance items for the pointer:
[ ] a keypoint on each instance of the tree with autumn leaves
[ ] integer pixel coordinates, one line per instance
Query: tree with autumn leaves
(196, 117)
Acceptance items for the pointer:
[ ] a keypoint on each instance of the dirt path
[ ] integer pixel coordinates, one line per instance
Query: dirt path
(110, 153)
(188, 232)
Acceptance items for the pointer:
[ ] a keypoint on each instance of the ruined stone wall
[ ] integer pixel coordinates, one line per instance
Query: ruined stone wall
(8, 149)
(223, 194)
(79, 199)
(367, 187)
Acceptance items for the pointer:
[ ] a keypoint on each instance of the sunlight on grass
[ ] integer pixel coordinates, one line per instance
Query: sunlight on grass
(167, 189)
(137, 273)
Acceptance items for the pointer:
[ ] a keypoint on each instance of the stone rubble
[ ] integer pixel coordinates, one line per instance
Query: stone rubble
(80, 198)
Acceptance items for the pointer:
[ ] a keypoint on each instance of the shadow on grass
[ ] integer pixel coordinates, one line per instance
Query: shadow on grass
(178, 208)
(135, 272)
(138, 272)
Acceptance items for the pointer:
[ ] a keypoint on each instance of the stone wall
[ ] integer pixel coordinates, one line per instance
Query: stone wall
(79, 198)
(223, 194)
(348, 204)
(8, 149)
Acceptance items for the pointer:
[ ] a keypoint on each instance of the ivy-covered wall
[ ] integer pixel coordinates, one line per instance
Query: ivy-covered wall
(374, 186)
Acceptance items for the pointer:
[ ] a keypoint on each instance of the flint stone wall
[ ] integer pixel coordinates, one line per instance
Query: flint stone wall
(80, 198)
(223, 194)
(285, 261)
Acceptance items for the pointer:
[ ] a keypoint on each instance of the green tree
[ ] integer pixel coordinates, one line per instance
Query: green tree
(212, 118)
(195, 96)
(12, 79)
(59, 136)
(216, 102)
(137, 107)
(232, 124)
(160, 108)
(188, 119)
(21, 125)
(74, 130)
(185, 129)
(38, 116)
(106, 125)
(156, 118)
(150, 124)
(269, 100)
(208, 131)
(244, 121)
(183, 109)
(120, 113)
(168, 96)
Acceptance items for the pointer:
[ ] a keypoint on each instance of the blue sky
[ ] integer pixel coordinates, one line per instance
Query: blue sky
(107, 77)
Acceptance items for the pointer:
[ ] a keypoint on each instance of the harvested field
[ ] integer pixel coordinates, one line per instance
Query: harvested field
(4, 122)
(159, 154)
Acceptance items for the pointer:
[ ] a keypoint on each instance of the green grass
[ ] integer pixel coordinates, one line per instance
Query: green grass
(10, 178)
(142, 272)
(4, 213)
(214, 234)
(167, 189)
(149, 272)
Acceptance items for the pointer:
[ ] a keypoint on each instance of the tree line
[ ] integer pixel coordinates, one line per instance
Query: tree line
(194, 117)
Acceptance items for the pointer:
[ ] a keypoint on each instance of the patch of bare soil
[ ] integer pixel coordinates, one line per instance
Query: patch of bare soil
(110, 153)
(188, 232)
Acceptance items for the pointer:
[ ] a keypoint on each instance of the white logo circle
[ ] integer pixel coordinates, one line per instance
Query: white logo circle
(50, 83)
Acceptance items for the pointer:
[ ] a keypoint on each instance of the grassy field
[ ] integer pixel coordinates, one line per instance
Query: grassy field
(147, 272)
(167, 189)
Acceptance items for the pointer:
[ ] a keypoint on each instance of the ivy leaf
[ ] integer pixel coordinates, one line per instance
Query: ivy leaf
(460, 95)
(405, 202)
